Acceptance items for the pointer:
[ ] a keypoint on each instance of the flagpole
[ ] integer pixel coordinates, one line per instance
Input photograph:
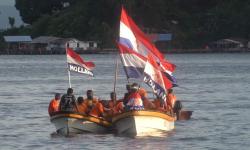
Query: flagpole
(68, 65)
(116, 73)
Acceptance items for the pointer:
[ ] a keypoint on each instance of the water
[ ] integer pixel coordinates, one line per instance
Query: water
(215, 86)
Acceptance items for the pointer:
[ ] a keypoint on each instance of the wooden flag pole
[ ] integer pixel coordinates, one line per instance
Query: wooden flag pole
(66, 46)
(116, 74)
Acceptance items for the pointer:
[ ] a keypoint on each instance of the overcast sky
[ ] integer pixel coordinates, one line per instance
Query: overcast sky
(7, 2)
(7, 9)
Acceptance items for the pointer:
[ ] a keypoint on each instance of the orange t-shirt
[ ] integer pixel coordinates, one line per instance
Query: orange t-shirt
(97, 110)
(82, 108)
(53, 106)
(115, 108)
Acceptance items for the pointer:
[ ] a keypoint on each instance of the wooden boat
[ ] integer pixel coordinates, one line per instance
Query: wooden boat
(143, 123)
(72, 123)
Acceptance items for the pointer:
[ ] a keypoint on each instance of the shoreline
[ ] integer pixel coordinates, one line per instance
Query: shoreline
(113, 51)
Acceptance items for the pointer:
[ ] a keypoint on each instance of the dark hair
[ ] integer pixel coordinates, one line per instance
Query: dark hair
(113, 95)
(57, 95)
(89, 91)
(70, 91)
(80, 99)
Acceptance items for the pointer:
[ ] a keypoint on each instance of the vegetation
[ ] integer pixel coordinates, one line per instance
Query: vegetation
(193, 23)
(11, 21)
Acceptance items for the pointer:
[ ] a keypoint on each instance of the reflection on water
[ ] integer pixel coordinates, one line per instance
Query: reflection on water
(215, 86)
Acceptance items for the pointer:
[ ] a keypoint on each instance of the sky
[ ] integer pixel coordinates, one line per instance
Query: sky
(7, 2)
(7, 9)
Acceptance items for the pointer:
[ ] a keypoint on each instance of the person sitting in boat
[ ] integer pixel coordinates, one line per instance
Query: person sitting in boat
(171, 99)
(94, 107)
(81, 106)
(54, 104)
(159, 104)
(114, 106)
(68, 101)
(146, 102)
(134, 99)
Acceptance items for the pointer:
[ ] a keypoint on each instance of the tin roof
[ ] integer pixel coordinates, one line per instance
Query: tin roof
(44, 39)
(12, 39)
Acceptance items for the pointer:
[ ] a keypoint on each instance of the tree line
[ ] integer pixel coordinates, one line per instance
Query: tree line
(193, 23)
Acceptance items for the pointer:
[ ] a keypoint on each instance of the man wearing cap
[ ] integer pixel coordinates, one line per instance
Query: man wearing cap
(54, 104)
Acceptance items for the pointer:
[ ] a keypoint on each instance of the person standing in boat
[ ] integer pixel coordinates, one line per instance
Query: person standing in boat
(171, 99)
(114, 106)
(54, 104)
(134, 99)
(68, 101)
(94, 107)
(160, 104)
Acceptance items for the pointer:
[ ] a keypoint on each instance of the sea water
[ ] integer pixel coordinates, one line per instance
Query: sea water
(215, 86)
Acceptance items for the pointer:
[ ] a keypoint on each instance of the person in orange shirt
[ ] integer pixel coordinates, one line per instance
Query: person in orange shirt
(54, 104)
(94, 107)
(146, 102)
(114, 106)
(171, 99)
(81, 106)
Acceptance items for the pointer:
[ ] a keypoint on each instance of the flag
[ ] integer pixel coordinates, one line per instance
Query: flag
(154, 78)
(77, 64)
(134, 39)
(133, 62)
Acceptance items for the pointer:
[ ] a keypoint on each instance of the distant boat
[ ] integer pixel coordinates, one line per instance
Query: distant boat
(67, 123)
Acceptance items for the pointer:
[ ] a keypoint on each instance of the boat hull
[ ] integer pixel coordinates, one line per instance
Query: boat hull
(143, 123)
(72, 123)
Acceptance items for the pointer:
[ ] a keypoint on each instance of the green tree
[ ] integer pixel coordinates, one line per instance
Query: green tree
(32, 10)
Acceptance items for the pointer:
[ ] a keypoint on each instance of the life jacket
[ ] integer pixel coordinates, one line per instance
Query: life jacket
(53, 106)
(135, 101)
(90, 103)
(115, 108)
(82, 108)
(97, 110)
(68, 103)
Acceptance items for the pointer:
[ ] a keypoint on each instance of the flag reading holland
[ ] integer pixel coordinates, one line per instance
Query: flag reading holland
(77, 64)
(153, 78)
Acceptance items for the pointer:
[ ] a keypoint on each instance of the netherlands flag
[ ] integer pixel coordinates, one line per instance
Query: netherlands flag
(77, 64)
(153, 78)
(134, 39)
(133, 62)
